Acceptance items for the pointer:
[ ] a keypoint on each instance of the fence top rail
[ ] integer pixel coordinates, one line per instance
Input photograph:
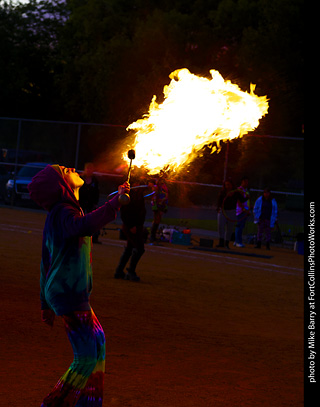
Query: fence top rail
(62, 122)
(220, 186)
(123, 126)
(276, 137)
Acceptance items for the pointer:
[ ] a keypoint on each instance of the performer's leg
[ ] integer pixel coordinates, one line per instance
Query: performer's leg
(221, 228)
(229, 227)
(153, 233)
(267, 231)
(123, 261)
(259, 235)
(239, 229)
(157, 216)
(82, 384)
(92, 395)
(137, 252)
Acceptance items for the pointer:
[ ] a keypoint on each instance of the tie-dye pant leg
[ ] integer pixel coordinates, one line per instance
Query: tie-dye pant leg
(82, 384)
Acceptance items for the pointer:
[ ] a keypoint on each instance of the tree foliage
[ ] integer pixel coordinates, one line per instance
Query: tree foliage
(103, 60)
(29, 56)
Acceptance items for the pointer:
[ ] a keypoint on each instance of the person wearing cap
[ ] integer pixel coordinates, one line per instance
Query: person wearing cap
(265, 215)
(66, 280)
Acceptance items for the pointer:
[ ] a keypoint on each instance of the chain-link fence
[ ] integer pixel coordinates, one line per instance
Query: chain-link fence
(73, 144)
(70, 143)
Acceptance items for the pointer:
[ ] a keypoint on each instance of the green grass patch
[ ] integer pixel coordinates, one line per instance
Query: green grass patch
(205, 224)
(211, 224)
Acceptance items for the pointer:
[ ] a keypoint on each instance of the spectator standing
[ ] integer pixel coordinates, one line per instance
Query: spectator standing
(226, 208)
(265, 215)
(159, 204)
(242, 211)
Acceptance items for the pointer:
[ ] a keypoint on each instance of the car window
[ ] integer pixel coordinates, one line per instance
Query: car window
(29, 172)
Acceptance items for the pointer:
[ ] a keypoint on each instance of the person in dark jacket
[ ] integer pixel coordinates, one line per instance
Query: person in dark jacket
(133, 217)
(66, 281)
(226, 207)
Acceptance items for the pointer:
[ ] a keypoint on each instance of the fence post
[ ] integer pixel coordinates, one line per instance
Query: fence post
(16, 162)
(17, 147)
(226, 162)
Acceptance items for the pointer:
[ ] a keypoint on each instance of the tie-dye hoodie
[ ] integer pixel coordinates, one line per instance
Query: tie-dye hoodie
(66, 264)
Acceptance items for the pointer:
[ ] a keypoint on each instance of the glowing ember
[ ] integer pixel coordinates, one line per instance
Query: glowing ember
(196, 111)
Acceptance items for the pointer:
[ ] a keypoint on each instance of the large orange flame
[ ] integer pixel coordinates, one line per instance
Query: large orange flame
(196, 111)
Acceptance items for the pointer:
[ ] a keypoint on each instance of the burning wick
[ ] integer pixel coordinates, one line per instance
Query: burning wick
(124, 199)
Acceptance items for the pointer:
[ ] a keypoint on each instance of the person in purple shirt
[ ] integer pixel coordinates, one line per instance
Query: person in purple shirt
(66, 281)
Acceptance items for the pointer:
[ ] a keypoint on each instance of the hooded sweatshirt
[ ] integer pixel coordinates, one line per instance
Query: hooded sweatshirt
(66, 263)
(272, 209)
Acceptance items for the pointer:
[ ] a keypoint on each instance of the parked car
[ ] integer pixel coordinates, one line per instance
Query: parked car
(16, 191)
(8, 157)
(4, 176)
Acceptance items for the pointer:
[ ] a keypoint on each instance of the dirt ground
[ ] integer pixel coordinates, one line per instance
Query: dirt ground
(201, 329)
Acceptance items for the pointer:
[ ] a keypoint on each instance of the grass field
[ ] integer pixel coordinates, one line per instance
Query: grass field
(201, 329)
(212, 225)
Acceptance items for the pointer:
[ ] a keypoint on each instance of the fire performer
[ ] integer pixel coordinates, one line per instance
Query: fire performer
(66, 281)
(133, 217)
